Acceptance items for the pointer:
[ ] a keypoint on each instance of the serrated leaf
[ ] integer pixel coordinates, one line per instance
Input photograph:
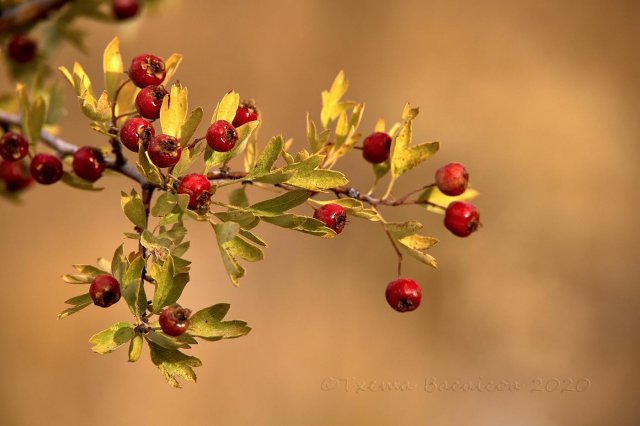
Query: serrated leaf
(244, 218)
(190, 125)
(134, 208)
(78, 302)
(213, 158)
(437, 198)
(226, 108)
(267, 158)
(173, 112)
(316, 142)
(188, 158)
(113, 67)
(74, 181)
(226, 232)
(133, 289)
(112, 338)
(307, 175)
(135, 347)
(284, 202)
(400, 230)
(332, 106)
(173, 363)
(252, 237)
(207, 324)
(164, 204)
(77, 278)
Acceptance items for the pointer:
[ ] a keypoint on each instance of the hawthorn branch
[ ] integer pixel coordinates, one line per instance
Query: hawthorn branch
(28, 13)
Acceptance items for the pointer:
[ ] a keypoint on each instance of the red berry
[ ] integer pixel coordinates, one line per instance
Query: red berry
(147, 70)
(15, 175)
(174, 320)
(13, 146)
(376, 147)
(452, 179)
(149, 101)
(22, 49)
(245, 113)
(164, 151)
(46, 168)
(222, 136)
(134, 131)
(104, 290)
(461, 218)
(404, 295)
(125, 9)
(198, 188)
(88, 163)
(333, 215)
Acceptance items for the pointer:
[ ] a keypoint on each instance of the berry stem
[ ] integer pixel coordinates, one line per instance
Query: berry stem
(114, 118)
(395, 247)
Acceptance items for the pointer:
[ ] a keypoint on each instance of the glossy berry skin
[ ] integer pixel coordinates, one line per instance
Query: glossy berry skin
(46, 168)
(147, 70)
(198, 188)
(164, 151)
(376, 147)
(134, 131)
(125, 9)
(149, 101)
(333, 215)
(245, 113)
(104, 290)
(461, 218)
(222, 136)
(174, 320)
(404, 295)
(15, 175)
(22, 49)
(88, 163)
(13, 146)
(452, 179)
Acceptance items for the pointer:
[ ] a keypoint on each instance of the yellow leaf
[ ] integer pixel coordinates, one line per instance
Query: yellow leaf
(174, 111)
(113, 67)
(226, 108)
(171, 65)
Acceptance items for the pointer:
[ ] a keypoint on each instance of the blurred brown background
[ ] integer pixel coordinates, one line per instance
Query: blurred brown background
(539, 99)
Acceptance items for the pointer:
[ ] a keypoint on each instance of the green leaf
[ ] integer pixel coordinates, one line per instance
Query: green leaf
(190, 125)
(332, 107)
(134, 208)
(173, 112)
(317, 142)
(284, 202)
(77, 278)
(164, 204)
(208, 325)
(244, 218)
(135, 347)
(188, 158)
(78, 302)
(252, 237)
(118, 265)
(308, 176)
(305, 224)
(400, 230)
(112, 338)
(89, 270)
(232, 247)
(213, 158)
(267, 158)
(226, 108)
(133, 289)
(435, 196)
(165, 341)
(168, 288)
(74, 181)
(113, 67)
(173, 363)
(148, 169)
(238, 197)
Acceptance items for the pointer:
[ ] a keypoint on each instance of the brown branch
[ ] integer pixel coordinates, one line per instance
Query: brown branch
(27, 13)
